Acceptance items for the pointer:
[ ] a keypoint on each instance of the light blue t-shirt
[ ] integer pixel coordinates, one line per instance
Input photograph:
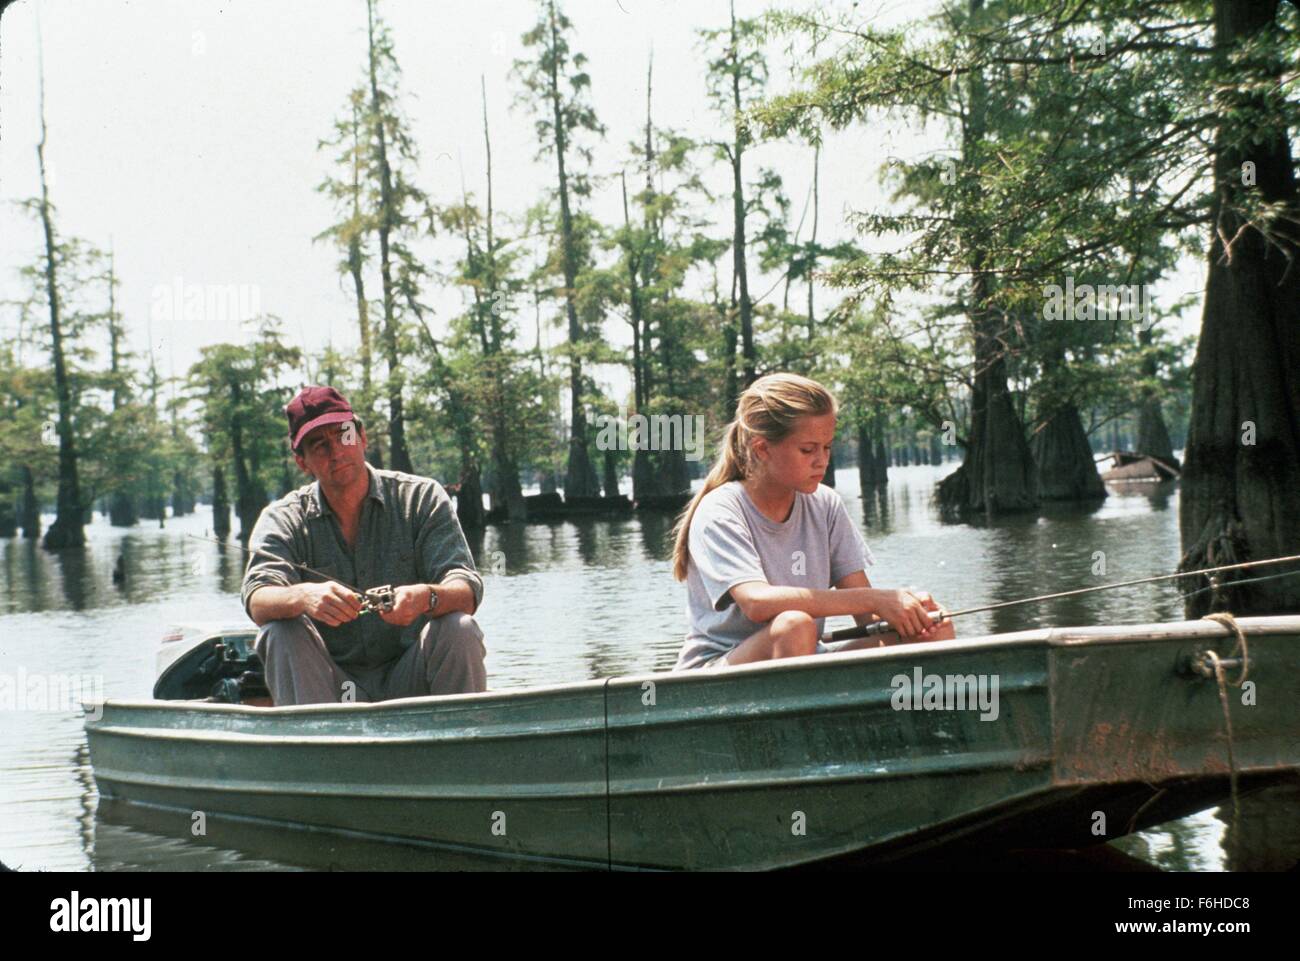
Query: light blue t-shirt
(731, 541)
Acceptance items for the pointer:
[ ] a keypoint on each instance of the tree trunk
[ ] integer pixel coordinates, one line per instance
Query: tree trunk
(469, 498)
(355, 266)
(400, 457)
(248, 502)
(611, 474)
(1152, 434)
(29, 508)
(1066, 470)
(182, 493)
(506, 490)
(8, 514)
(882, 454)
(731, 383)
(997, 475)
(1242, 466)
(866, 459)
(675, 476)
(220, 503)
(579, 479)
(644, 475)
(739, 254)
(68, 529)
(645, 479)
(374, 453)
(122, 510)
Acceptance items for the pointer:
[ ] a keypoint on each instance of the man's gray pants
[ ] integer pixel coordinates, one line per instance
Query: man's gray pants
(446, 659)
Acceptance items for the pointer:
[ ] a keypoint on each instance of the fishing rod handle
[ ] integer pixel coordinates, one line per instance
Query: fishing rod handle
(870, 630)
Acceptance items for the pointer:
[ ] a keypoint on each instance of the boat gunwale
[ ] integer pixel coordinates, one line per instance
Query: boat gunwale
(1048, 637)
(664, 717)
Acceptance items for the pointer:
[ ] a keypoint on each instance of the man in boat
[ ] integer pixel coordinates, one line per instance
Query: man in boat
(367, 527)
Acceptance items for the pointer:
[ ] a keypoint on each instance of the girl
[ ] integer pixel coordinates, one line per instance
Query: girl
(763, 542)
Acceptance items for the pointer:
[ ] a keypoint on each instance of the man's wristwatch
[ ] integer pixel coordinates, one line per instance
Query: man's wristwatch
(433, 600)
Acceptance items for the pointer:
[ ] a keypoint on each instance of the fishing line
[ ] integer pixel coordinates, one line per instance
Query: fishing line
(881, 627)
(277, 557)
(376, 599)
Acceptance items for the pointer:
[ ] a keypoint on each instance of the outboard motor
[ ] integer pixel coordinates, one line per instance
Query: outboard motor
(216, 665)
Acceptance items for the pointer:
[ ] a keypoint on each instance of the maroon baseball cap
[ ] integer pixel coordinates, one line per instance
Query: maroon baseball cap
(314, 407)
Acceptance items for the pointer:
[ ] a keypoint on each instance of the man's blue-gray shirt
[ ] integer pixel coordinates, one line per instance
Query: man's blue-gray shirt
(408, 534)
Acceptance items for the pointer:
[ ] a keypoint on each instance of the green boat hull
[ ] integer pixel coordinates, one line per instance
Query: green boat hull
(1098, 732)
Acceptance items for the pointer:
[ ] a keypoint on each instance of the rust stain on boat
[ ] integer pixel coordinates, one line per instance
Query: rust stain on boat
(1118, 752)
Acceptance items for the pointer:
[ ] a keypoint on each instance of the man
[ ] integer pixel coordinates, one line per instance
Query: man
(368, 528)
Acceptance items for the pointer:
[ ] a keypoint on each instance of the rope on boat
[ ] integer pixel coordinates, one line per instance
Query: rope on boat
(1216, 663)
(1157, 794)
(1241, 650)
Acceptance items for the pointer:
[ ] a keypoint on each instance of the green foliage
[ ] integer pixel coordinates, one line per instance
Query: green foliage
(556, 90)
(240, 391)
(1076, 149)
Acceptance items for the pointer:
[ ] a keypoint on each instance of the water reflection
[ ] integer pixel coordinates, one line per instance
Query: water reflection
(564, 601)
(876, 509)
(657, 535)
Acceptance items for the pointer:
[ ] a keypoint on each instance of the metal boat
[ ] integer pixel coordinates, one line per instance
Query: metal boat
(1079, 735)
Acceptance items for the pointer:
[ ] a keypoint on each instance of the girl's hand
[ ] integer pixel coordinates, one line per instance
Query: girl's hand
(906, 613)
(943, 631)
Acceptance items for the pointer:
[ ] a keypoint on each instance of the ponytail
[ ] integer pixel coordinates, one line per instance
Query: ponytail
(729, 466)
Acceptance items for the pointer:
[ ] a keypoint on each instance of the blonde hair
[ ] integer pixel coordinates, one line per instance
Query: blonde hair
(769, 408)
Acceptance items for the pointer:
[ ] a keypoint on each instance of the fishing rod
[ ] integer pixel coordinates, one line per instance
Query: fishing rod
(883, 627)
(376, 599)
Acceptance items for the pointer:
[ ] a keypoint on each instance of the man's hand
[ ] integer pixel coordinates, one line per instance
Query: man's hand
(330, 603)
(408, 603)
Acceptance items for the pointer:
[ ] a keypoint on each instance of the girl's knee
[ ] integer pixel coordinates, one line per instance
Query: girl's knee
(794, 622)
(793, 633)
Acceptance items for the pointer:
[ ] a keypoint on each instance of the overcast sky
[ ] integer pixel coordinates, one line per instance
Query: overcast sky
(184, 133)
